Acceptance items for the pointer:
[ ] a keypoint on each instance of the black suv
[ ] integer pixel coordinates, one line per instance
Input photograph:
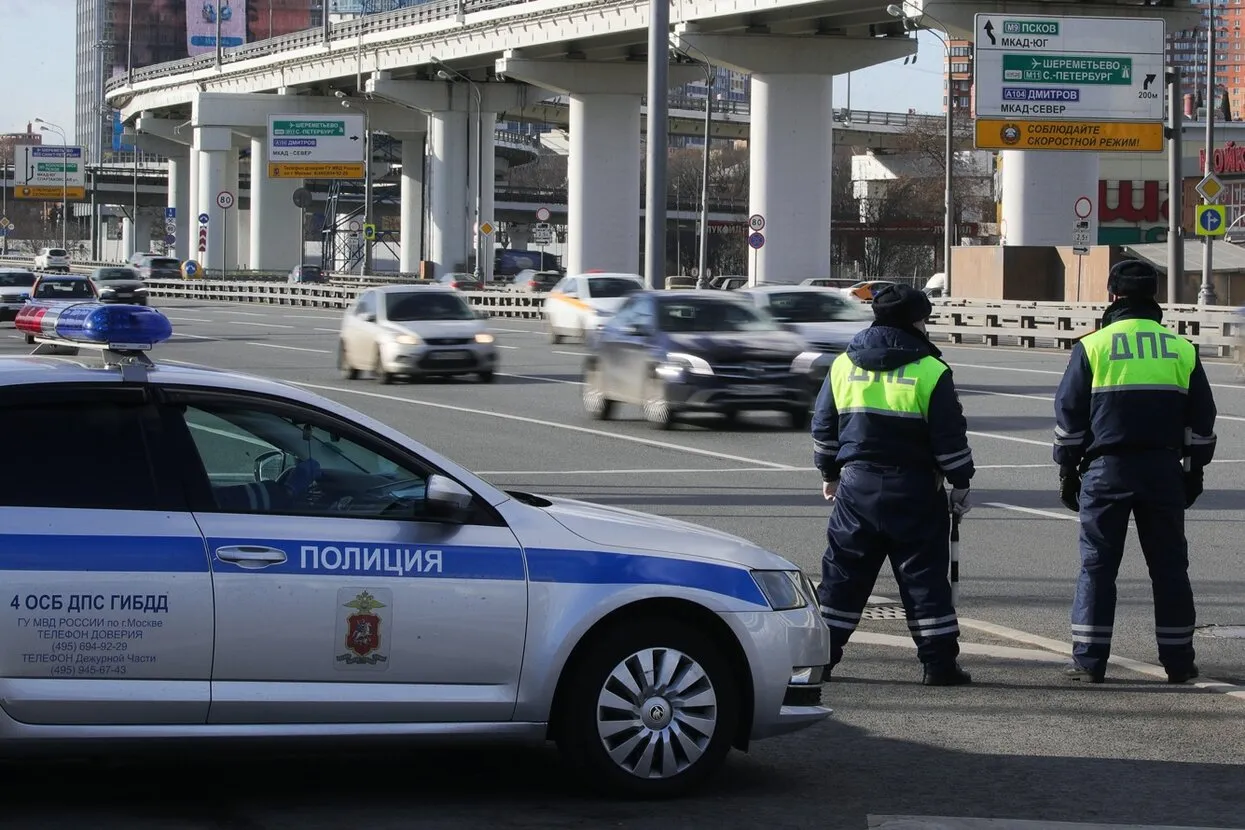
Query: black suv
(675, 352)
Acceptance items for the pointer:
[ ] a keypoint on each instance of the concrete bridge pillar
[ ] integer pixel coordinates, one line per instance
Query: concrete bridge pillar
(411, 210)
(215, 149)
(791, 141)
(483, 166)
(179, 200)
(276, 239)
(192, 206)
(453, 157)
(603, 169)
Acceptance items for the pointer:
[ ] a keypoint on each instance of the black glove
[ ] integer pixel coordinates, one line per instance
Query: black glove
(1192, 487)
(1070, 488)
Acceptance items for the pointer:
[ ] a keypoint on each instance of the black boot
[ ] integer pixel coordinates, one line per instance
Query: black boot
(945, 674)
(1081, 674)
(1181, 675)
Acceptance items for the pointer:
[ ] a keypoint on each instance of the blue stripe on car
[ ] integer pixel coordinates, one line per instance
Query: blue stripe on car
(185, 554)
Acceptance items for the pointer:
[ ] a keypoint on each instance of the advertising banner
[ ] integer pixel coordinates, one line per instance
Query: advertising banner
(202, 21)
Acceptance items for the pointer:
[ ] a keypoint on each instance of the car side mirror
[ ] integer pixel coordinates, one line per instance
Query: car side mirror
(270, 465)
(446, 498)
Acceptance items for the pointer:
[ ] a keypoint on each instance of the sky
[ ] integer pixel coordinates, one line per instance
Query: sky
(37, 59)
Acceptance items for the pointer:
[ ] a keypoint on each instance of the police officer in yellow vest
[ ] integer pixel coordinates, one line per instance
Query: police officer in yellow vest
(887, 430)
(1133, 402)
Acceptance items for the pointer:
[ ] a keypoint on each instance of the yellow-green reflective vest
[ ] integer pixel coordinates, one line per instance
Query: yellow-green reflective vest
(902, 392)
(1139, 355)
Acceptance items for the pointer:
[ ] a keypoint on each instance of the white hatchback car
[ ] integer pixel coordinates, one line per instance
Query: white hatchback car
(52, 259)
(582, 304)
(415, 330)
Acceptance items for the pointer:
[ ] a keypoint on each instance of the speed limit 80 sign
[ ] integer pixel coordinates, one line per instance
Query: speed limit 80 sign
(224, 200)
(756, 222)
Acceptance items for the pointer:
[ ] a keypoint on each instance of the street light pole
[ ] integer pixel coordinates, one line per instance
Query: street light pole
(948, 242)
(47, 126)
(656, 148)
(1206, 294)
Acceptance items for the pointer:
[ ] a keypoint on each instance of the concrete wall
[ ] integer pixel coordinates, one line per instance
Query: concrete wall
(1031, 273)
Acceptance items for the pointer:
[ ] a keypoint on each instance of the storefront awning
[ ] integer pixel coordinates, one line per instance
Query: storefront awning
(1226, 258)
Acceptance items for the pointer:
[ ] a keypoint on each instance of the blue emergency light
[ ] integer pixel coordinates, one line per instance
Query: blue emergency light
(121, 327)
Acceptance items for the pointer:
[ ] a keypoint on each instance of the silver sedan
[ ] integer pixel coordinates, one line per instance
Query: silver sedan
(413, 331)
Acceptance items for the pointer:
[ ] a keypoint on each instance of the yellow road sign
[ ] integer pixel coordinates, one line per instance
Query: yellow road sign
(486, 229)
(314, 170)
(1088, 136)
(49, 194)
(1212, 220)
(369, 232)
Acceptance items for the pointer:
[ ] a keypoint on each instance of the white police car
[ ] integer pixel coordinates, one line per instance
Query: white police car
(233, 557)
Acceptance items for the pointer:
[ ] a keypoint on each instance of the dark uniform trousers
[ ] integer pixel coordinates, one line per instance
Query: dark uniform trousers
(1149, 486)
(883, 512)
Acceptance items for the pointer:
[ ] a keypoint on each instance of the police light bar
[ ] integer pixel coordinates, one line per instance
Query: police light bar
(116, 327)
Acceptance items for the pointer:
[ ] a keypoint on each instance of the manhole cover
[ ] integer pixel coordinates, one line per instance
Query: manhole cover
(1227, 632)
(883, 612)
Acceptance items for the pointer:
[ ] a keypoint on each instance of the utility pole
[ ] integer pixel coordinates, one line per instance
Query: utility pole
(657, 146)
(1175, 232)
(1206, 294)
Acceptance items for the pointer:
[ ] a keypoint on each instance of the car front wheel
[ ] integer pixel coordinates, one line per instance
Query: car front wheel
(651, 710)
(596, 404)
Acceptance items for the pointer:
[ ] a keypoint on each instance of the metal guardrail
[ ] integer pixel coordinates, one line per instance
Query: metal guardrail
(1217, 328)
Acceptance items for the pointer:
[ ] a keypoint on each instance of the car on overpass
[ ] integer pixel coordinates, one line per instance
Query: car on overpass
(242, 558)
(580, 304)
(675, 353)
(420, 330)
(15, 287)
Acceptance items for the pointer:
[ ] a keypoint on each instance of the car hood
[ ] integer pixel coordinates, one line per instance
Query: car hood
(121, 285)
(726, 347)
(644, 531)
(839, 333)
(438, 328)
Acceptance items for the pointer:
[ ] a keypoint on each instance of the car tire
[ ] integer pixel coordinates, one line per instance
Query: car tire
(554, 337)
(378, 371)
(596, 404)
(30, 340)
(798, 417)
(612, 702)
(657, 410)
(348, 372)
(486, 377)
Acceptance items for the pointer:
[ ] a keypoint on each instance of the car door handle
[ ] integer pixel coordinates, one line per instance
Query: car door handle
(251, 556)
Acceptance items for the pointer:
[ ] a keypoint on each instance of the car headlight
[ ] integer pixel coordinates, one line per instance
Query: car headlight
(783, 590)
(484, 337)
(108, 291)
(678, 362)
(408, 339)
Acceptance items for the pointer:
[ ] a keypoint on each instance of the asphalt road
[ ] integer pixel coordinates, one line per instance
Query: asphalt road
(1017, 745)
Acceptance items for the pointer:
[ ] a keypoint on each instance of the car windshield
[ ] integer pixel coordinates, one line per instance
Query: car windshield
(64, 289)
(696, 315)
(426, 305)
(106, 274)
(816, 307)
(602, 288)
(165, 262)
(16, 279)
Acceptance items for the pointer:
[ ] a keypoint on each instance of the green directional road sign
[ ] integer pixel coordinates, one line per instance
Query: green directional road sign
(1068, 69)
(324, 127)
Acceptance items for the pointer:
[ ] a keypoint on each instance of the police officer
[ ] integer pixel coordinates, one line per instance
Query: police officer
(888, 429)
(1133, 400)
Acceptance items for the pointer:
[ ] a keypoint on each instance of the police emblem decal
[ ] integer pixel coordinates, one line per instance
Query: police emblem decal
(1010, 134)
(362, 630)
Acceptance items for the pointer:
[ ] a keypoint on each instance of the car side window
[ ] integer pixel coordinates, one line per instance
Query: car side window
(280, 460)
(367, 304)
(87, 453)
(644, 315)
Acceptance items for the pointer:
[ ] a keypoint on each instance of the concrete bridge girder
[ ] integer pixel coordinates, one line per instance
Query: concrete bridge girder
(956, 17)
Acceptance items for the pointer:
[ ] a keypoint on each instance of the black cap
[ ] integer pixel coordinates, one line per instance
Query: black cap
(1133, 278)
(900, 305)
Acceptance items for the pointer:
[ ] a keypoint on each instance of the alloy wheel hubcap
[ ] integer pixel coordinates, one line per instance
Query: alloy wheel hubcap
(657, 713)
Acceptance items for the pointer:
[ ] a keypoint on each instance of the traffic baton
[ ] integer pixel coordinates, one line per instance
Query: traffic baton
(955, 558)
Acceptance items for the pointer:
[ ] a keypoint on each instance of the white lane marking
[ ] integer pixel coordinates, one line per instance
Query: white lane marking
(245, 313)
(1141, 667)
(573, 354)
(876, 822)
(499, 346)
(291, 348)
(1005, 394)
(258, 325)
(665, 445)
(191, 320)
(517, 331)
(637, 471)
(544, 380)
(1048, 514)
(330, 331)
(307, 317)
(995, 435)
(1003, 652)
(192, 336)
(235, 436)
(1234, 387)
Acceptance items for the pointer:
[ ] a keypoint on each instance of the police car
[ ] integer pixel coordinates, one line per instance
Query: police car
(233, 557)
